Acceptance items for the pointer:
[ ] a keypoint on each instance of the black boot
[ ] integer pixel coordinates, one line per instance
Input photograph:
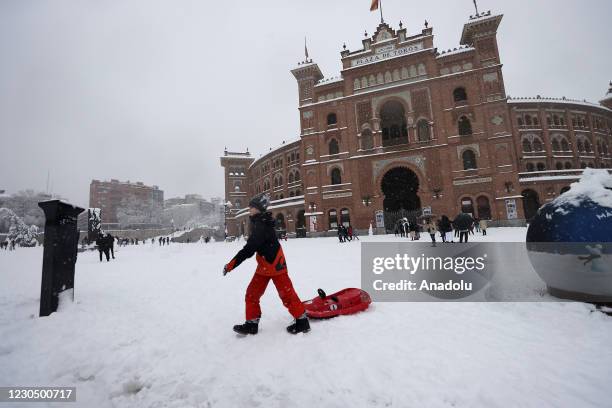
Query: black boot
(246, 328)
(301, 325)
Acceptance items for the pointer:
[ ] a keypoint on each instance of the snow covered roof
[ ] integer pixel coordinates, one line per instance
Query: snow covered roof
(327, 81)
(275, 150)
(455, 51)
(539, 99)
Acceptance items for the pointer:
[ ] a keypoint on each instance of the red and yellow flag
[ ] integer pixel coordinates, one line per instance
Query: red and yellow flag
(374, 5)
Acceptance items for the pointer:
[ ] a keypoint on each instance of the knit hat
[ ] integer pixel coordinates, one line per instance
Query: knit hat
(260, 202)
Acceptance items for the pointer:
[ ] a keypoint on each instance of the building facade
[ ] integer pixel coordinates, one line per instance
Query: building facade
(409, 131)
(109, 195)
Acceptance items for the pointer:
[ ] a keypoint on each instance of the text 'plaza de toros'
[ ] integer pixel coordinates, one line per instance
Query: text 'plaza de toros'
(407, 130)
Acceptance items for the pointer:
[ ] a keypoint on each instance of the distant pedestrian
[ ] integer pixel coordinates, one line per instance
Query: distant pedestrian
(446, 229)
(110, 242)
(430, 227)
(483, 226)
(103, 247)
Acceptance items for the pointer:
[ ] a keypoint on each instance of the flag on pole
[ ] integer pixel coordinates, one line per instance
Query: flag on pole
(305, 48)
(374, 5)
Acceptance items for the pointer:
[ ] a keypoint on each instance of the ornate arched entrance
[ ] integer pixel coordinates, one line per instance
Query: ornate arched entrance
(400, 187)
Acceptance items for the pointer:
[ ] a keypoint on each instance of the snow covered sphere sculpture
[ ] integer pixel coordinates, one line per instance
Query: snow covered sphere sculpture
(569, 241)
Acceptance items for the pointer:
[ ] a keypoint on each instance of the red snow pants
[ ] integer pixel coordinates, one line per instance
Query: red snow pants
(283, 284)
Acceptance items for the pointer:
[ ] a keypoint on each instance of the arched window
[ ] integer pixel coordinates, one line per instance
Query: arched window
(278, 181)
(291, 194)
(345, 217)
(568, 165)
(556, 146)
(423, 131)
(367, 142)
(556, 120)
(537, 145)
(334, 148)
(580, 145)
(527, 146)
(332, 119)
(296, 176)
(280, 221)
(290, 178)
(465, 126)
(528, 120)
(336, 176)
(587, 146)
(469, 160)
(565, 145)
(393, 124)
(333, 219)
(237, 204)
(541, 167)
(520, 121)
(530, 167)
(460, 95)
(559, 166)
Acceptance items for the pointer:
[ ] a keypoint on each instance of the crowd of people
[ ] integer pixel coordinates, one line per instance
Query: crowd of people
(461, 227)
(347, 234)
(105, 244)
(8, 245)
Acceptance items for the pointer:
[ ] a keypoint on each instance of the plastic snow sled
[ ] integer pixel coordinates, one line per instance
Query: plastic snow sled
(345, 302)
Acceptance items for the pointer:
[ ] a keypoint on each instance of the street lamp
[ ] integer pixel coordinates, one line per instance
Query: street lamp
(367, 200)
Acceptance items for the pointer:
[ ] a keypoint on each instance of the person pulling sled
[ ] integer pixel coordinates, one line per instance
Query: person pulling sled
(271, 266)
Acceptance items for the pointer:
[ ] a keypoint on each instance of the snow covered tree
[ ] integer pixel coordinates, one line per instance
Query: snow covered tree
(18, 230)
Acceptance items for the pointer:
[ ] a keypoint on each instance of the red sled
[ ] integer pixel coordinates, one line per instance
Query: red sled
(345, 302)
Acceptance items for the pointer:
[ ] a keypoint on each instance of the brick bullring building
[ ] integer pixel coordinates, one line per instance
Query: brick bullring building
(407, 130)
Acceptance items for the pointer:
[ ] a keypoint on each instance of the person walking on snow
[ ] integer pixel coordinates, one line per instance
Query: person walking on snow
(271, 266)
(482, 224)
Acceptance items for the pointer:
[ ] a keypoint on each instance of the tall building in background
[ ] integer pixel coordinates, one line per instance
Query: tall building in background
(110, 196)
(408, 130)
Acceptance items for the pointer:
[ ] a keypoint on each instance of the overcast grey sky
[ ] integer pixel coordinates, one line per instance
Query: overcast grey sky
(153, 90)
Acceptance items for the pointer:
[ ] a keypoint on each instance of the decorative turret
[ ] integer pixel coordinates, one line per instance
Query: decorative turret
(607, 100)
(307, 75)
(481, 33)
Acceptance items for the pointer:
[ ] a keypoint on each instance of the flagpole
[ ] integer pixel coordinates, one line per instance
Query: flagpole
(381, 14)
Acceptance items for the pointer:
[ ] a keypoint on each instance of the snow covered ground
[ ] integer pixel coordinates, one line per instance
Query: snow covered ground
(153, 329)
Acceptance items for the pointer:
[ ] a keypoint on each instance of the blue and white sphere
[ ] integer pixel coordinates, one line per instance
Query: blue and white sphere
(570, 240)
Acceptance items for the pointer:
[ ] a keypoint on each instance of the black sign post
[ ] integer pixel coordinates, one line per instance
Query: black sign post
(59, 257)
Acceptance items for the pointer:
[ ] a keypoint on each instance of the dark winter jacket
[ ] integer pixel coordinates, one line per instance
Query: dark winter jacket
(445, 224)
(262, 240)
(102, 243)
